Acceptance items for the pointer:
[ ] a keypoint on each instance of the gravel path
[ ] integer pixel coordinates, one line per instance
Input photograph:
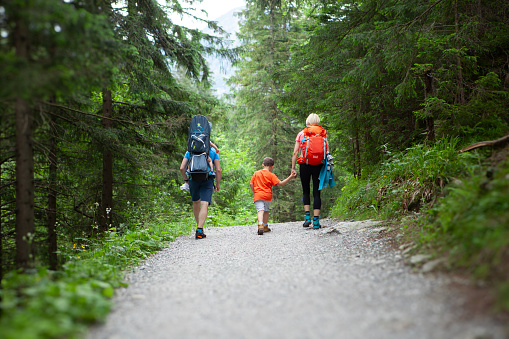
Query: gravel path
(290, 283)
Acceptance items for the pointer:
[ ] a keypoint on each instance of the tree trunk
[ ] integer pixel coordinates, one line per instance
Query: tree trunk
(461, 91)
(107, 194)
(24, 164)
(52, 197)
(272, 103)
(1, 228)
(354, 161)
(357, 154)
(428, 92)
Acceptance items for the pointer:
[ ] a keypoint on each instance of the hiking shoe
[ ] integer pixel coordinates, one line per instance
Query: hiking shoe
(260, 229)
(307, 220)
(199, 234)
(266, 229)
(316, 222)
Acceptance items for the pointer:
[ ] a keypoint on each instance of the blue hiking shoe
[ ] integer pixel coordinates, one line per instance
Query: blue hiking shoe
(199, 234)
(316, 222)
(307, 219)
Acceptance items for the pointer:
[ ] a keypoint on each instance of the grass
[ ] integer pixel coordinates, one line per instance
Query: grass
(454, 205)
(60, 304)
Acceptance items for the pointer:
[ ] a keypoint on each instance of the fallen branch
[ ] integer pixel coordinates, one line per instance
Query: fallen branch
(498, 142)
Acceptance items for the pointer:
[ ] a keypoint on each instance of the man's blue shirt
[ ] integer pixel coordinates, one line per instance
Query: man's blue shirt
(212, 155)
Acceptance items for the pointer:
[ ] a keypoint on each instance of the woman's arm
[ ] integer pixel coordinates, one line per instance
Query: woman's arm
(295, 155)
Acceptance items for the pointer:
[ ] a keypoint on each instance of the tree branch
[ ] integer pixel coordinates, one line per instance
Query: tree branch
(498, 142)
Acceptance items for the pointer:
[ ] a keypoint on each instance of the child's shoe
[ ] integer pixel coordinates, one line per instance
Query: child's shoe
(199, 234)
(260, 229)
(316, 222)
(266, 229)
(307, 219)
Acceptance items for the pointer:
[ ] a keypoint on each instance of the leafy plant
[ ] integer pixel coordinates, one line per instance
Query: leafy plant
(404, 182)
(56, 304)
(471, 225)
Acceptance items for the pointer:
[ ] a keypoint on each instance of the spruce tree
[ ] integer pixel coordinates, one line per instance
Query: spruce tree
(266, 34)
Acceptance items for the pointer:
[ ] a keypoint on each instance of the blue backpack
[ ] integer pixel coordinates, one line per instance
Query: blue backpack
(198, 146)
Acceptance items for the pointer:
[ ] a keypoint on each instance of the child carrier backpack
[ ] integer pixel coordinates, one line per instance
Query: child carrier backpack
(198, 146)
(313, 145)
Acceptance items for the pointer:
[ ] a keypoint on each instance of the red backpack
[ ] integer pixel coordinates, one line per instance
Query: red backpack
(313, 145)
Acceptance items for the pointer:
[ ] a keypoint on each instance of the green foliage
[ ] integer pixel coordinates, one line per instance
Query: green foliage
(56, 304)
(388, 74)
(71, 50)
(233, 204)
(406, 181)
(471, 225)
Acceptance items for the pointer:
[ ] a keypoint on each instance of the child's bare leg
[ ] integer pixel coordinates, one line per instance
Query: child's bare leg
(265, 217)
(260, 215)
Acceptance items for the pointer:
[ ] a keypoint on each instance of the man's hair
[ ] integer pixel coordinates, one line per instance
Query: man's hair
(313, 119)
(268, 162)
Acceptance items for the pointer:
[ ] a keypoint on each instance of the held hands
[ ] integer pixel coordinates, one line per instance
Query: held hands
(293, 174)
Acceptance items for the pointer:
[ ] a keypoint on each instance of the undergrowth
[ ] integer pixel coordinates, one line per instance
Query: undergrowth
(453, 205)
(404, 183)
(470, 225)
(60, 304)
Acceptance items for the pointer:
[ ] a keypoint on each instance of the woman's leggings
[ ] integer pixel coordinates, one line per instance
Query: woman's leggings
(306, 173)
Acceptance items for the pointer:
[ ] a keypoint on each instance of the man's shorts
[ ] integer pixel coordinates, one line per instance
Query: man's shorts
(262, 205)
(201, 190)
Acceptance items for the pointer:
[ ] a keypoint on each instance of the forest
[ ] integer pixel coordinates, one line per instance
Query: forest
(96, 99)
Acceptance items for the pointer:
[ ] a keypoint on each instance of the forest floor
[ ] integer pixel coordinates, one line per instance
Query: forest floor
(345, 280)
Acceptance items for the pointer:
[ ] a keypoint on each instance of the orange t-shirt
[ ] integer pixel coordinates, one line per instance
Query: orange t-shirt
(263, 181)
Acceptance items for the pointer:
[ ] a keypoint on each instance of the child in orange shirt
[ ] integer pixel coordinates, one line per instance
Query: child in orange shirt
(261, 184)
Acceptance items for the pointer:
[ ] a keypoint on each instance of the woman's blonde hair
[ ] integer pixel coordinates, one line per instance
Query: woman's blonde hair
(313, 119)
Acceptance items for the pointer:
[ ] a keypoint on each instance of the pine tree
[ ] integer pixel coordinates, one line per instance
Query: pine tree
(266, 33)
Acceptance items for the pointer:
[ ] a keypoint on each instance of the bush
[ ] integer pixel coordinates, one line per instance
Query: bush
(405, 182)
(49, 304)
(471, 225)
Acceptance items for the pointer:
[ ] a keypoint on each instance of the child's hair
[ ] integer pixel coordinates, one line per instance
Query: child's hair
(268, 162)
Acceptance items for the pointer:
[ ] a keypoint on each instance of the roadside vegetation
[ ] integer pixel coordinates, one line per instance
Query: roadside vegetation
(452, 205)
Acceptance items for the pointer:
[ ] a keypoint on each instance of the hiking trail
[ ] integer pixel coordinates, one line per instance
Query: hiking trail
(342, 281)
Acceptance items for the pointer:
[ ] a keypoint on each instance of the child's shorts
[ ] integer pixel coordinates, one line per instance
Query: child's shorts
(262, 205)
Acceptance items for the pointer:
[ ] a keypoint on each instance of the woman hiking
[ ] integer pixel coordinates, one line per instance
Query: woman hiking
(312, 144)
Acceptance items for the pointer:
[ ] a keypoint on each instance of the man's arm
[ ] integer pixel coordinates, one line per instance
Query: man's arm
(252, 187)
(214, 146)
(217, 166)
(183, 167)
